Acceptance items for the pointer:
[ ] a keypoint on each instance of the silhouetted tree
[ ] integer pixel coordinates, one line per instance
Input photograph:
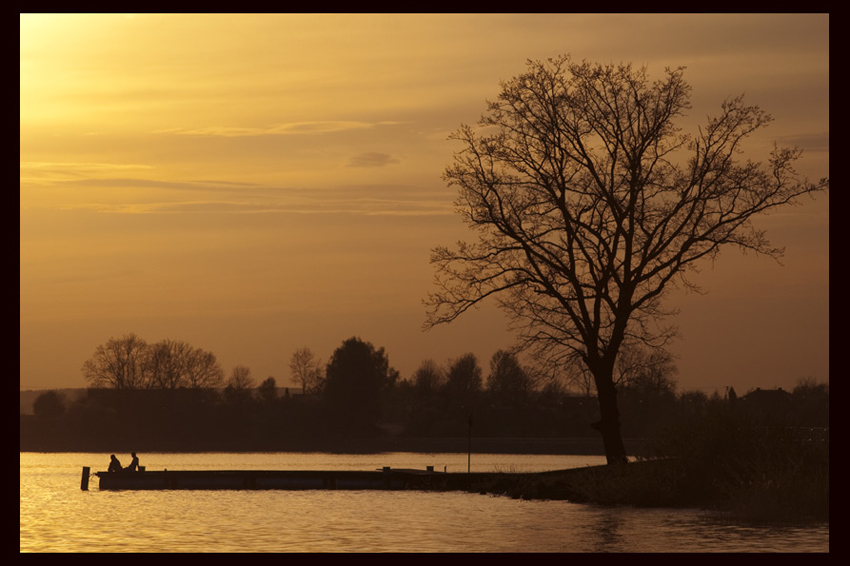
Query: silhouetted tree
(306, 369)
(203, 370)
(811, 403)
(49, 404)
(464, 382)
(588, 202)
(645, 370)
(692, 403)
(268, 390)
(428, 379)
(239, 385)
(166, 364)
(118, 364)
(130, 363)
(357, 375)
(508, 381)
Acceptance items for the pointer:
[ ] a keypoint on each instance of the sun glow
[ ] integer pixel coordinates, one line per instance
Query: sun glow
(248, 168)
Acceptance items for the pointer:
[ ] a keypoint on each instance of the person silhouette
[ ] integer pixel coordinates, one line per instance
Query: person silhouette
(134, 464)
(114, 464)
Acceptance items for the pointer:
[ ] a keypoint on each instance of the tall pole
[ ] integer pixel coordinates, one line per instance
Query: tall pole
(469, 447)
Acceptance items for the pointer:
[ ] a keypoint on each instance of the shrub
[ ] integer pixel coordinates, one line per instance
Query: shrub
(752, 469)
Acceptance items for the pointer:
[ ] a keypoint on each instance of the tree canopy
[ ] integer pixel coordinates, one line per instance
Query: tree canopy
(589, 203)
(129, 362)
(356, 377)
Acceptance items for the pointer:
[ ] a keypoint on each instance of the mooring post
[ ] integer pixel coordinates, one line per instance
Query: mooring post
(84, 481)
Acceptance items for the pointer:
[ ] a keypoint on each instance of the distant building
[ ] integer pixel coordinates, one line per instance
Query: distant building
(767, 402)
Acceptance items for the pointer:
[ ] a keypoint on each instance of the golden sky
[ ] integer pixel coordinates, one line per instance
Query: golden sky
(256, 183)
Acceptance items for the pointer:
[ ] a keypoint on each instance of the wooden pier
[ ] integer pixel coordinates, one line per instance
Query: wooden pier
(386, 479)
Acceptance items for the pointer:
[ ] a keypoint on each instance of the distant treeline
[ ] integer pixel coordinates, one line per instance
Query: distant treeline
(338, 416)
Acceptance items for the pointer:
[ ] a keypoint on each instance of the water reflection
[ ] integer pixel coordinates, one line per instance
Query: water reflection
(607, 529)
(56, 516)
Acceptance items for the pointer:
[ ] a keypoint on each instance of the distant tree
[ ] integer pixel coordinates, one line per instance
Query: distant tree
(645, 370)
(692, 403)
(807, 387)
(428, 378)
(49, 404)
(240, 378)
(118, 364)
(463, 381)
(306, 370)
(130, 362)
(203, 370)
(357, 376)
(508, 381)
(267, 390)
(811, 403)
(167, 364)
(553, 393)
(589, 204)
(239, 385)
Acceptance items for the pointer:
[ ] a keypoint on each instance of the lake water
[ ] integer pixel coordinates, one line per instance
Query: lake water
(57, 516)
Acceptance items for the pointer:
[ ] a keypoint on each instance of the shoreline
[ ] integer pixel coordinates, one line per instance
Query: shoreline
(533, 446)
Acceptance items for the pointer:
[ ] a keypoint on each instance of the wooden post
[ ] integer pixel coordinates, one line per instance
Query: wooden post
(84, 481)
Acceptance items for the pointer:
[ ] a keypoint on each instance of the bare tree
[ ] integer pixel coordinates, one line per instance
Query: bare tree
(508, 381)
(240, 378)
(306, 369)
(167, 364)
(239, 384)
(464, 381)
(589, 204)
(645, 370)
(130, 362)
(202, 370)
(118, 364)
(428, 378)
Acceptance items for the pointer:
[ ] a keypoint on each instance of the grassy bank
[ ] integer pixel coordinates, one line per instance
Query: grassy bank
(726, 464)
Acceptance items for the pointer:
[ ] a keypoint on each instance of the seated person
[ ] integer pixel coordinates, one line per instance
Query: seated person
(134, 464)
(114, 464)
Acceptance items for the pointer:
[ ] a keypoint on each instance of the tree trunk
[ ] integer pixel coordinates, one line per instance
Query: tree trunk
(609, 423)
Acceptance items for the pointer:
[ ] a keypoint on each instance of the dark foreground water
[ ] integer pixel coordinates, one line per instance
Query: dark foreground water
(56, 516)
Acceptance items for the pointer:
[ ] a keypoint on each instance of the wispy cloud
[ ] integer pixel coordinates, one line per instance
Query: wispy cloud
(43, 173)
(372, 207)
(291, 128)
(809, 142)
(246, 198)
(122, 183)
(372, 159)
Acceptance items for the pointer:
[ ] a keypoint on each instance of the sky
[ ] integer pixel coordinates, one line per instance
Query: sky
(257, 183)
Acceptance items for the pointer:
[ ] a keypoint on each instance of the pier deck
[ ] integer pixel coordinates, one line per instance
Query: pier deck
(386, 478)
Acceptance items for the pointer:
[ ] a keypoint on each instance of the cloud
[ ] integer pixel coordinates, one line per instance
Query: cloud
(366, 207)
(291, 128)
(809, 142)
(155, 184)
(47, 173)
(372, 159)
(245, 198)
